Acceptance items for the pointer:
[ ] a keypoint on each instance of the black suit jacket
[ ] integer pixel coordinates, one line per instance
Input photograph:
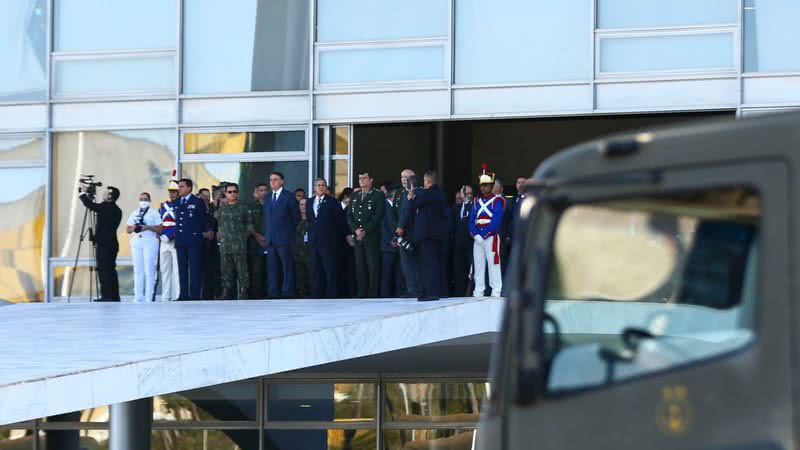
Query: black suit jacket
(430, 221)
(461, 235)
(329, 228)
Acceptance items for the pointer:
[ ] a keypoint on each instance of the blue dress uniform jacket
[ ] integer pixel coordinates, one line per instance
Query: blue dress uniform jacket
(281, 216)
(430, 231)
(326, 231)
(191, 221)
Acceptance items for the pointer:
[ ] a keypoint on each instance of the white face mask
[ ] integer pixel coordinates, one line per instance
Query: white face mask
(144, 205)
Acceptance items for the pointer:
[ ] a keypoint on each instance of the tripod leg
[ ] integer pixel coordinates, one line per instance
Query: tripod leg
(81, 237)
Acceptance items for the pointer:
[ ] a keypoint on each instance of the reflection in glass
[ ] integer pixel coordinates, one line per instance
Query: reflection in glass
(657, 13)
(246, 174)
(28, 148)
(675, 52)
(381, 65)
(244, 142)
(96, 25)
(84, 279)
(435, 402)
(770, 28)
(342, 146)
(429, 439)
(204, 439)
(143, 74)
(147, 156)
(232, 401)
(82, 439)
(23, 50)
(371, 20)
(320, 440)
(488, 39)
(321, 402)
(245, 46)
(341, 178)
(16, 439)
(22, 204)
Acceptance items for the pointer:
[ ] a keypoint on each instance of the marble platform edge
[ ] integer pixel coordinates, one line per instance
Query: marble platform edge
(64, 393)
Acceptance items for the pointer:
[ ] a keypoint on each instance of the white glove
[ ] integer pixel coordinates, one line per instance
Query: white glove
(164, 238)
(478, 238)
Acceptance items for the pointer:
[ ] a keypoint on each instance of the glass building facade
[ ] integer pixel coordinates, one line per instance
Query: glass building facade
(230, 90)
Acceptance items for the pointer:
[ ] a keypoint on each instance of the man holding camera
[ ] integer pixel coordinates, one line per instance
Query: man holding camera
(405, 231)
(364, 219)
(109, 217)
(144, 225)
(430, 232)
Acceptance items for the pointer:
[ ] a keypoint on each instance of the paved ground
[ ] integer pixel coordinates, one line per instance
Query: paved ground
(58, 358)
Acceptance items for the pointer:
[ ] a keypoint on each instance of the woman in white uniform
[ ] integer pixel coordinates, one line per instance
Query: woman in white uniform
(144, 225)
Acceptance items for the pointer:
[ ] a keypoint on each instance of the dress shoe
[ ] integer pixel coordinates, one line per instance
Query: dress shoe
(427, 298)
(243, 293)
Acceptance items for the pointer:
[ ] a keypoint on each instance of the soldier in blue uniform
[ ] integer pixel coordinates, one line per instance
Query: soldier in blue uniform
(191, 220)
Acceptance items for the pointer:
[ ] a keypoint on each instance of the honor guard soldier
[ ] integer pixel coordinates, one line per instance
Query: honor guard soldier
(235, 226)
(192, 226)
(364, 219)
(485, 221)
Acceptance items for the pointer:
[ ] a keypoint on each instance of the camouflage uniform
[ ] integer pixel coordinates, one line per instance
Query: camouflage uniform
(302, 260)
(366, 211)
(235, 224)
(255, 253)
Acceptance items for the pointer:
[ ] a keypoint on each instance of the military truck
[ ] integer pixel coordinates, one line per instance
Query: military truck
(650, 302)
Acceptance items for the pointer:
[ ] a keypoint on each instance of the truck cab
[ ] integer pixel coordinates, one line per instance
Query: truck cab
(650, 295)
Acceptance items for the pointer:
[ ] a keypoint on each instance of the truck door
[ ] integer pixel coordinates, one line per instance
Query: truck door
(664, 322)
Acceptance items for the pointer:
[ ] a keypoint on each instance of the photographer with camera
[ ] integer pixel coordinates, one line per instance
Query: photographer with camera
(404, 233)
(108, 218)
(430, 232)
(144, 225)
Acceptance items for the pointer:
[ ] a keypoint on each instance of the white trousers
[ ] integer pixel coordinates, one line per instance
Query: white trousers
(145, 252)
(170, 287)
(484, 252)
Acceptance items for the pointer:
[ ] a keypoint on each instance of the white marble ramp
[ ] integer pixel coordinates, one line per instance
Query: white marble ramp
(58, 358)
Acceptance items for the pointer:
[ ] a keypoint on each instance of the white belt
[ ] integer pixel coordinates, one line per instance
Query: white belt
(483, 221)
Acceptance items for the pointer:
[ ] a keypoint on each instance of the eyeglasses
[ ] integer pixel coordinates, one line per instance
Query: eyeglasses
(231, 192)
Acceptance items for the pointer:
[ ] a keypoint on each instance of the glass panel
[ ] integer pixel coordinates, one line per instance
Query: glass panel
(381, 64)
(244, 46)
(94, 25)
(151, 74)
(246, 174)
(372, 20)
(70, 439)
(232, 401)
(244, 142)
(429, 439)
(657, 13)
(22, 204)
(489, 38)
(437, 402)
(16, 439)
(204, 440)
(29, 148)
(148, 157)
(320, 440)
(342, 141)
(97, 414)
(321, 402)
(675, 52)
(341, 179)
(672, 279)
(23, 50)
(770, 27)
(84, 278)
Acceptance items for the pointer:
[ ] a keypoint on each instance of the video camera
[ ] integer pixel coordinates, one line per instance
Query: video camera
(403, 242)
(88, 185)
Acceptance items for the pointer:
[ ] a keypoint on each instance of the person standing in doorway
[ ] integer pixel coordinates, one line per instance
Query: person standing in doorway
(211, 286)
(364, 220)
(389, 259)
(256, 243)
(405, 229)
(144, 225)
(485, 221)
(235, 227)
(168, 257)
(281, 216)
(462, 243)
(300, 249)
(327, 229)
(430, 232)
(192, 227)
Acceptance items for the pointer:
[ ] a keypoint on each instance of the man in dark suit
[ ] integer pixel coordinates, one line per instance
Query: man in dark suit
(191, 223)
(390, 273)
(327, 228)
(462, 243)
(430, 231)
(509, 220)
(281, 216)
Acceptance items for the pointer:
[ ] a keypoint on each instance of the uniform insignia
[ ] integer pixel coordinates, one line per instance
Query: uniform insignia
(191, 207)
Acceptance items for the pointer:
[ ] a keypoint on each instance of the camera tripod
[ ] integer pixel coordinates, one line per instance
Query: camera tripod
(86, 231)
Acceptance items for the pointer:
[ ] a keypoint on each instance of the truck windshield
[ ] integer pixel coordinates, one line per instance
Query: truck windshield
(645, 284)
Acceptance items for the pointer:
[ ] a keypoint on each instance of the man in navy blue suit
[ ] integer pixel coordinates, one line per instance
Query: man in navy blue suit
(327, 228)
(191, 225)
(281, 216)
(430, 232)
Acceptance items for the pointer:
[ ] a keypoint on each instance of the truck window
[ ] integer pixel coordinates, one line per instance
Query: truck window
(646, 284)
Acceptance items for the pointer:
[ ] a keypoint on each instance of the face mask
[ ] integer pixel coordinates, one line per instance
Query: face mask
(144, 205)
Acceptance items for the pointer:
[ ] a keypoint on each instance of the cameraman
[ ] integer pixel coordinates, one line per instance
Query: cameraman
(144, 225)
(105, 237)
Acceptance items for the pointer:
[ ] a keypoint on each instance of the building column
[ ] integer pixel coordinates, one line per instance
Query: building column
(131, 425)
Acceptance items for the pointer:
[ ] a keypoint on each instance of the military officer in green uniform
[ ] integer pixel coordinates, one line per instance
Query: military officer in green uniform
(302, 262)
(255, 243)
(364, 219)
(235, 226)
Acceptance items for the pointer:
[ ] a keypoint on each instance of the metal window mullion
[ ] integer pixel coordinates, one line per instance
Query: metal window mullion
(326, 143)
(319, 425)
(74, 426)
(451, 55)
(740, 60)
(379, 414)
(48, 142)
(205, 425)
(422, 425)
(384, 43)
(593, 46)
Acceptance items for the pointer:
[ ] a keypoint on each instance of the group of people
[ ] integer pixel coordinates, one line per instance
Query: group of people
(387, 241)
